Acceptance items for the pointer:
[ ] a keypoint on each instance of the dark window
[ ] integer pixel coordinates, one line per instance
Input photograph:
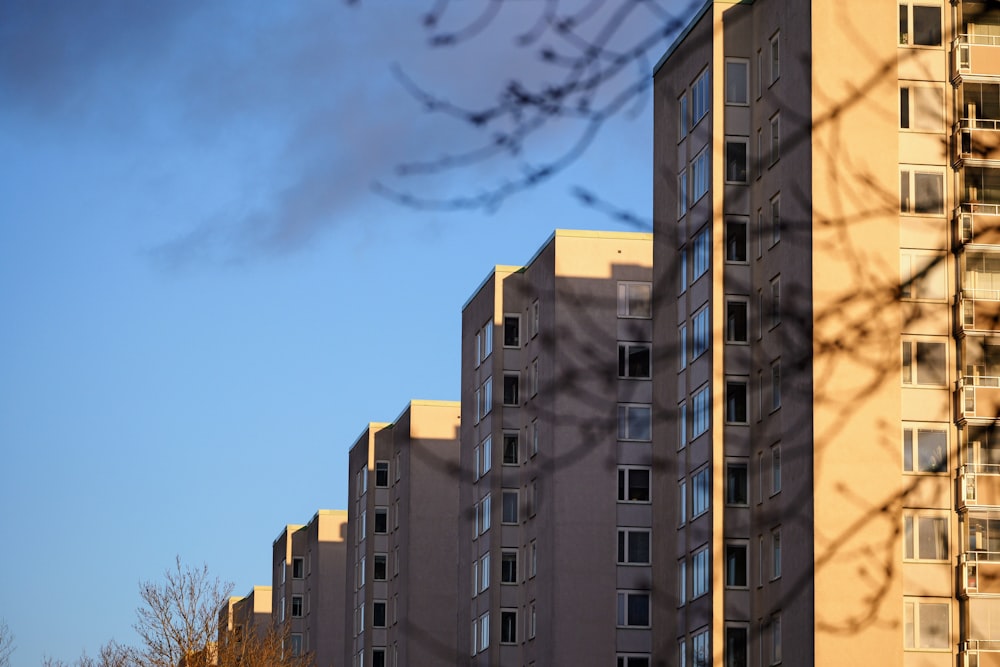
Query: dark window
(508, 567)
(380, 571)
(736, 646)
(736, 484)
(511, 447)
(633, 485)
(510, 389)
(736, 321)
(736, 161)
(511, 331)
(378, 614)
(736, 240)
(633, 360)
(296, 606)
(381, 520)
(298, 567)
(736, 402)
(382, 473)
(633, 546)
(736, 565)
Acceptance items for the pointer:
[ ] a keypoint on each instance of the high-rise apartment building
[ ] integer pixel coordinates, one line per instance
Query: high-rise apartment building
(402, 542)
(308, 586)
(555, 513)
(826, 200)
(241, 617)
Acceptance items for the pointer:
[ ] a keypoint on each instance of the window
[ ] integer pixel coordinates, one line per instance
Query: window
(533, 376)
(775, 153)
(634, 422)
(682, 431)
(533, 560)
(923, 275)
(682, 345)
(700, 492)
(925, 450)
(634, 360)
(737, 159)
(701, 333)
(775, 638)
(776, 553)
(737, 645)
(682, 193)
(919, 24)
(682, 116)
(296, 606)
(533, 436)
(699, 647)
(298, 567)
(699, 98)
(775, 219)
(486, 461)
(378, 614)
(378, 657)
(775, 310)
(759, 232)
(633, 609)
(295, 644)
(633, 485)
(634, 300)
(512, 331)
(381, 520)
(511, 380)
(485, 398)
(921, 191)
(701, 252)
(924, 363)
(508, 626)
(736, 240)
(736, 483)
(925, 536)
(699, 176)
(681, 653)
(682, 502)
(484, 341)
(484, 572)
(736, 402)
(633, 661)
(381, 567)
(921, 107)
(533, 321)
(532, 620)
(759, 155)
(484, 631)
(737, 320)
(508, 567)
(701, 573)
(382, 474)
(397, 468)
(775, 469)
(737, 81)
(484, 514)
(736, 564)
(775, 57)
(681, 582)
(701, 408)
(760, 73)
(361, 482)
(926, 624)
(509, 510)
(511, 447)
(633, 546)
(682, 270)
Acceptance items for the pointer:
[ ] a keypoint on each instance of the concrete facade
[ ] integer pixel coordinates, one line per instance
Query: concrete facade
(403, 539)
(308, 589)
(556, 454)
(825, 200)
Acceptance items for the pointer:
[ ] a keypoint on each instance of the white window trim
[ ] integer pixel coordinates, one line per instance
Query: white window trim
(730, 139)
(746, 64)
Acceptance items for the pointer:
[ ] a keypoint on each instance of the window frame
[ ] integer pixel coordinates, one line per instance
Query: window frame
(508, 626)
(507, 435)
(914, 633)
(908, 190)
(506, 555)
(625, 358)
(919, 270)
(700, 97)
(775, 553)
(732, 177)
(701, 492)
(731, 63)
(381, 471)
(511, 379)
(624, 424)
(774, 52)
(774, 151)
(625, 535)
(731, 574)
(505, 517)
(701, 332)
(733, 242)
(732, 499)
(775, 469)
(737, 302)
(906, 38)
(627, 302)
(516, 317)
(701, 573)
(381, 511)
(910, 364)
(910, 117)
(914, 525)
(776, 223)
(625, 610)
(701, 254)
(734, 403)
(701, 411)
(700, 175)
(912, 456)
(626, 488)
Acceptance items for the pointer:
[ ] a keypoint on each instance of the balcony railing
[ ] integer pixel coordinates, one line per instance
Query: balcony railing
(976, 54)
(979, 396)
(976, 139)
(978, 485)
(979, 653)
(978, 223)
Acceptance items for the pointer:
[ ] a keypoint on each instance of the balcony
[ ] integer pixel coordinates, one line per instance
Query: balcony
(979, 653)
(976, 55)
(979, 573)
(978, 223)
(979, 396)
(978, 140)
(979, 486)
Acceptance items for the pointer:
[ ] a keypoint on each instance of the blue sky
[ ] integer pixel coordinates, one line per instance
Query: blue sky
(204, 302)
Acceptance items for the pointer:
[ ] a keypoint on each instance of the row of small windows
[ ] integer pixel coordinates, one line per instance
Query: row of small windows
(480, 633)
